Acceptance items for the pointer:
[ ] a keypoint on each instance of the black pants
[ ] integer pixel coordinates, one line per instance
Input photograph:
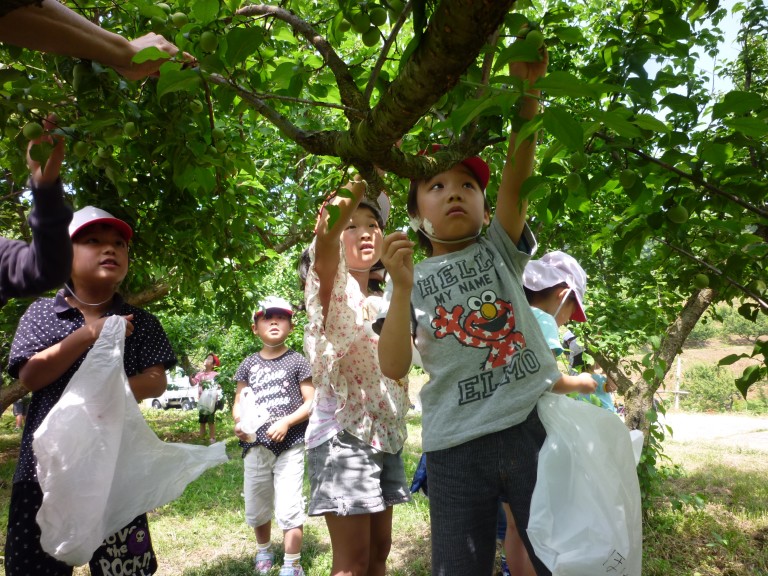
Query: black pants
(128, 552)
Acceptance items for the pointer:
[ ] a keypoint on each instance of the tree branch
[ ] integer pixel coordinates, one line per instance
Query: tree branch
(762, 303)
(351, 96)
(688, 176)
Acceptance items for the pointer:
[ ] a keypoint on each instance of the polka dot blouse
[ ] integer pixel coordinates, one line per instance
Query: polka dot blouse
(276, 384)
(48, 321)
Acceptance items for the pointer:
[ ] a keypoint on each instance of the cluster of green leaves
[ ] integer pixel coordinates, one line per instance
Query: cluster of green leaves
(654, 181)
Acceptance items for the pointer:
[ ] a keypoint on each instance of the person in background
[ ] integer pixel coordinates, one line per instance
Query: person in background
(273, 457)
(20, 409)
(48, 26)
(206, 379)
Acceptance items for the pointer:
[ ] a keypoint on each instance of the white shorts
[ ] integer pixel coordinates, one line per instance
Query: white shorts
(274, 483)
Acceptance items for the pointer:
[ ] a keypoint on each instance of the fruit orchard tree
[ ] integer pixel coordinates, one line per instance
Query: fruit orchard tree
(653, 180)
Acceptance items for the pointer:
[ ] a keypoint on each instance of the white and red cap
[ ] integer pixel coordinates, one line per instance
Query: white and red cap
(274, 303)
(557, 268)
(92, 215)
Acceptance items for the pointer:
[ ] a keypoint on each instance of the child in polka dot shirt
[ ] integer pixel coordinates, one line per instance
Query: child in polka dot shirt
(281, 382)
(51, 342)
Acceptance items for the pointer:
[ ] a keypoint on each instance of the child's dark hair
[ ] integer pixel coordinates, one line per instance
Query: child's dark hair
(412, 207)
(538, 295)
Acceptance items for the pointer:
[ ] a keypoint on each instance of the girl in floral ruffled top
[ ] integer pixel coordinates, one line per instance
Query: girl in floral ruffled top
(357, 426)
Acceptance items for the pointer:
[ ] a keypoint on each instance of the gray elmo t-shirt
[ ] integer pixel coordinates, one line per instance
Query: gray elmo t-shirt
(486, 357)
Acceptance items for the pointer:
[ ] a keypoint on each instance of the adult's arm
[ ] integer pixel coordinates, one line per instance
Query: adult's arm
(52, 27)
(45, 263)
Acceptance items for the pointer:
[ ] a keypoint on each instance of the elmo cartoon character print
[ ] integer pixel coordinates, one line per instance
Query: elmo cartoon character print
(489, 323)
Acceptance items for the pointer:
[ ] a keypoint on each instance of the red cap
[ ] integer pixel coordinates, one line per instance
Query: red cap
(476, 165)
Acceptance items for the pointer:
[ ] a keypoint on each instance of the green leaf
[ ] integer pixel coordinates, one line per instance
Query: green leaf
(570, 34)
(750, 375)
(566, 84)
(737, 102)
(730, 359)
(561, 124)
(753, 127)
(242, 42)
(150, 53)
(205, 11)
(617, 121)
(648, 122)
(675, 28)
(517, 52)
(334, 212)
(173, 79)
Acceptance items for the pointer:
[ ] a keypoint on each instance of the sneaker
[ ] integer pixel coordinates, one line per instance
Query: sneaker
(294, 569)
(264, 561)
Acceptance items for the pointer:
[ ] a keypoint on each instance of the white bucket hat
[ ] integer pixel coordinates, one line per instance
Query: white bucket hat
(557, 268)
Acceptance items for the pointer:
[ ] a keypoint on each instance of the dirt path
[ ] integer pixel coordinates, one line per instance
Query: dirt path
(747, 432)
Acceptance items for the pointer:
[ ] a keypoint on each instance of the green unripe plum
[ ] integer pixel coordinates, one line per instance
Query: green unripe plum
(360, 22)
(221, 145)
(98, 161)
(677, 214)
(164, 7)
(79, 72)
(208, 41)
(371, 36)
(103, 152)
(578, 160)
(572, 182)
(180, 19)
(396, 6)
(627, 178)
(80, 149)
(32, 130)
(535, 38)
(701, 281)
(378, 16)
(344, 26)
(157, 23)
(196, 106)
(130, 130)
(218, 134)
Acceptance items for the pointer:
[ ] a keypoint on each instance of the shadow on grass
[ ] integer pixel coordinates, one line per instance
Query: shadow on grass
(313, 556)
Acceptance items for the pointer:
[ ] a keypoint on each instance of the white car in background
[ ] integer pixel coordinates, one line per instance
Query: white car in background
(178, 393)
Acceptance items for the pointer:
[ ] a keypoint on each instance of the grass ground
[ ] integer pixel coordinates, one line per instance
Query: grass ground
(203, 533)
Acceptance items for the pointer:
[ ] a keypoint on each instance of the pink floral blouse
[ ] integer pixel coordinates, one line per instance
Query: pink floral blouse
(345, 367)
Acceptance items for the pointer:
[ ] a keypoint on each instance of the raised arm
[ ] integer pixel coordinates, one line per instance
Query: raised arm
(510, 209)
(52, 27)
(327, 245)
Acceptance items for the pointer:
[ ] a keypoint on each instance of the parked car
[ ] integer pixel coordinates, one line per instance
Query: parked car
(178, 394)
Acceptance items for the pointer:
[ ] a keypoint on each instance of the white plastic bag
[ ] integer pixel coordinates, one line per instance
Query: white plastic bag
(252, 414)
(585, 512)
(207, 401)
(98, 462)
